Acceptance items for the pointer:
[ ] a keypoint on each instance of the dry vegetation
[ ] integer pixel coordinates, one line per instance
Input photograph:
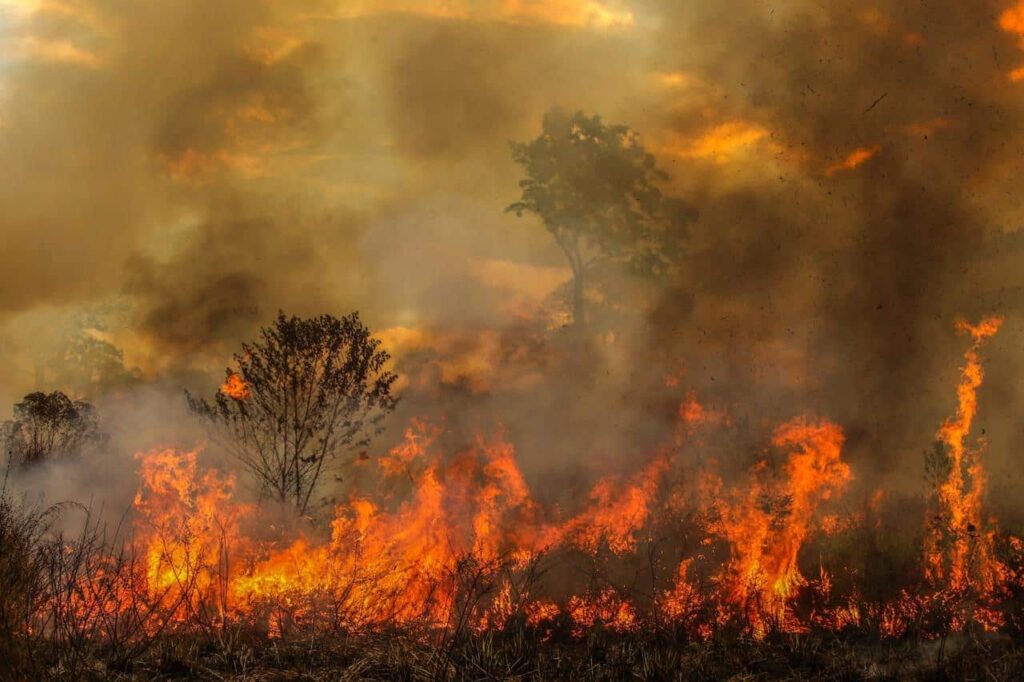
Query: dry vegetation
(454, 571)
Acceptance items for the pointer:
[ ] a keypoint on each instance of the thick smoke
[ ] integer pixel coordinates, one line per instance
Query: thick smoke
(860, 268)
(197, 168)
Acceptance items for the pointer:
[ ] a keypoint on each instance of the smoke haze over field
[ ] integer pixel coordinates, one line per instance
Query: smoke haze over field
(172, 173)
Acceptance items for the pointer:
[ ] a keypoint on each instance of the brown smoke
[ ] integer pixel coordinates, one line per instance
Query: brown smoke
(203, 166)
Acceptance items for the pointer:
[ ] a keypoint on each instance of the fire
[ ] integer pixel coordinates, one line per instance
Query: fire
(766, 525)
(685, 602)
(694, 415)
(959, 547)
(606, 607)
(615, 514)
(472, 513)
(234, 386)
(853, 159)
(189, 527)
(452, 537)
(720, 142)
(1012, 19)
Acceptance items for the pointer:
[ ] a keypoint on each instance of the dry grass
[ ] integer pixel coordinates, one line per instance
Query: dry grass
(522, 655)
(57, 621)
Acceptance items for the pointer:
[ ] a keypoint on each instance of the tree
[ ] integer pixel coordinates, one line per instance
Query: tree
(594, 186)
(89, 362)
(306, 391)
(49, 425)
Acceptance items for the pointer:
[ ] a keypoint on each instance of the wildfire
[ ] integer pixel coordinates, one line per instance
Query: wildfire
(615, 514)
(720, 142)
(234, 386)
(766, 525)
(960, 545)
(189, 526)
(454, 535)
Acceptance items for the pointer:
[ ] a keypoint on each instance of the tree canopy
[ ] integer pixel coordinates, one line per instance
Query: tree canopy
(595, 188)
(305, 391)
(49, 425)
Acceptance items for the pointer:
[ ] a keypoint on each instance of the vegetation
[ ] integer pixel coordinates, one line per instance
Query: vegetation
(304, 392)
(48, 426)
(595, 188)
(58, 622)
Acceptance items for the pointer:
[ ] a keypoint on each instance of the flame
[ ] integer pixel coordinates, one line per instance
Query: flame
(765, 526)
(189, 527)
(234, 386)
(402, 566)
(616, 513)
(454, 535)
(606, 607)
(694, 415)
(960, 545)
(720, 142)
(853, 159)
(1011, 20)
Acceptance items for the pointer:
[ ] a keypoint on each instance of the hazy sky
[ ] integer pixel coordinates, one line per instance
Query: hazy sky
(173, 172)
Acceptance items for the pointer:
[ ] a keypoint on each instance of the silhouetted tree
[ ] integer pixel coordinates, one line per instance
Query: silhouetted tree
(594, 187)
(89, 363)
(50, 425)
(307, 390)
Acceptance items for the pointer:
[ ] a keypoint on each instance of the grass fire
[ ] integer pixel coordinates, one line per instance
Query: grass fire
(525, 340)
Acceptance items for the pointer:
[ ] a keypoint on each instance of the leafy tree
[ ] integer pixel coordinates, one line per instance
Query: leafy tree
(48, 425)
(88, 362)
(594, 186)
(306, 391)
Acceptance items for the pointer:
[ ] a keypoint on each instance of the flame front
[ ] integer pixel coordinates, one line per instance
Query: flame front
(456, 536)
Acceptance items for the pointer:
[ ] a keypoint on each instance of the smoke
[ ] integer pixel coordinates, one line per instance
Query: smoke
(198, 168)
(856, 233)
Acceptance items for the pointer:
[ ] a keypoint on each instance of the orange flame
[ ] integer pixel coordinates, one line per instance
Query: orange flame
(959, 548)
(459, 532)
(234, 386)
(616, 513)
(853, 159)
(765, 526)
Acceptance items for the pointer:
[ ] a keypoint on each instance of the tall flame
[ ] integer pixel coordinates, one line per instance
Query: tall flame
(766, 525)
(959, 545)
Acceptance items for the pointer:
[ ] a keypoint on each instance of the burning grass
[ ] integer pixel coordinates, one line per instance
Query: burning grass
(451, 568)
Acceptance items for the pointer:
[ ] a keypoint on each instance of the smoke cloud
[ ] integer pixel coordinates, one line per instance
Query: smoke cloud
(174, 173)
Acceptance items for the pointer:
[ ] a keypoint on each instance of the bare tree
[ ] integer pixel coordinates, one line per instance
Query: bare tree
(306, 391)
(48, 425)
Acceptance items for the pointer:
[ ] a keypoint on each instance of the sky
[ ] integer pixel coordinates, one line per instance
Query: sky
(174, 172)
